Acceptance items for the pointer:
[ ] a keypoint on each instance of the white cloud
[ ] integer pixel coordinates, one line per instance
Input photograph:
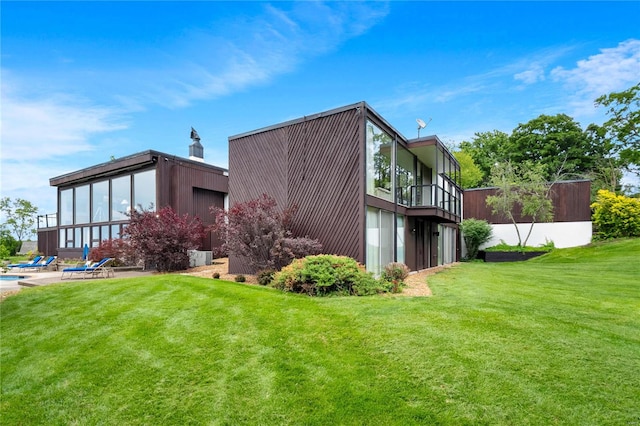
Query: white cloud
(613, 69)
(533, 75)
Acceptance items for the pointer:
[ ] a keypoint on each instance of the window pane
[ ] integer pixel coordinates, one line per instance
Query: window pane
(100, 202)
(62, 240)
(82, 204)
(144, 190)
(120, 197)
(387, 237)
(400, 238)
(373, 240)
(66, 207)
(379, 147)
(115, 231)
(404, 175)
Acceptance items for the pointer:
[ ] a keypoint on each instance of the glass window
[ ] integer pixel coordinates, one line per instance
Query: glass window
(82, 204)
(404, 175)
(77, 240)
(379, 155)
(62, 239)
(66, 207)
(95, 236)
(115, 231)
(104, 232)
(400, 238)
(380, 235)
(144, 190)
(100, 202)
(120, 197)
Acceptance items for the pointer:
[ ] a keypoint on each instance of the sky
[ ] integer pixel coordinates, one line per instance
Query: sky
(82, 82)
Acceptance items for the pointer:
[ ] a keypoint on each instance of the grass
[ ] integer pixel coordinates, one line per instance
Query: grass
(555, 340)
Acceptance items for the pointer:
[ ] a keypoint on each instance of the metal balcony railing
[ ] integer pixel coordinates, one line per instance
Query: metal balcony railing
(430, 196)
(48, 220)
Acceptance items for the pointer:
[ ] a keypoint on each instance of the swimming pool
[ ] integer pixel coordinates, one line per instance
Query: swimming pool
(12, 277)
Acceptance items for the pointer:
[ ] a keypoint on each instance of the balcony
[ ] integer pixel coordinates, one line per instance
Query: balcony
(429, 196)
(47, 220)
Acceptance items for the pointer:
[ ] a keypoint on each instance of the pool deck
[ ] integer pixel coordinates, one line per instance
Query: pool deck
(37, 279)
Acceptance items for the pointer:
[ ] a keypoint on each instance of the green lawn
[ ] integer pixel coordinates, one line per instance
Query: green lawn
(555, 340)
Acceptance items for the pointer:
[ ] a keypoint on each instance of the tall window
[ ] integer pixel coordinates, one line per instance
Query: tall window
(120, 197)
(380, 236)
(100, 202)
(82, 204)
(144, 190)
(66, 207)
(379, 156)
(404, 175)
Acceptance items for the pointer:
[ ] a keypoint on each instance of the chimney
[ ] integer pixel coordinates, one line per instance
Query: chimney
(196, 151)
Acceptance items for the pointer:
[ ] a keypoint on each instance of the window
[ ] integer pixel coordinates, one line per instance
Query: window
(144, 190)
(120, 198)
(380, 239)
(404, 175)
(100, 202)
(82, 204)
(379, 160)
(66, 207)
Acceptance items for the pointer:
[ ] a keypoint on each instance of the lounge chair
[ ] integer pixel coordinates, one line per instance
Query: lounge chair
(41, 266)
(97, 269)
(26, 265)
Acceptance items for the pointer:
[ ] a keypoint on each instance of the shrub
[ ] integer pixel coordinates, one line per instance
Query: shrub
(9, 242)
(475, 232)
(394, 275)
(163, 238)
(118, 249)
(616, 216)
(215, 276)
(240, 278)
(326, 274)
(265, 277)
(261, 234)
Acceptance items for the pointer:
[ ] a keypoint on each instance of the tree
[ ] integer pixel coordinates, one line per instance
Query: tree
(163, 238)
(261, 233)
(556, 143)
(623, 126)
(20, 216)
(470, 174)
(524, 188)
(487, 148)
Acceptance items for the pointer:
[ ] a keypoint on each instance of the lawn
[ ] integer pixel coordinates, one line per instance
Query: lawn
(555, 340)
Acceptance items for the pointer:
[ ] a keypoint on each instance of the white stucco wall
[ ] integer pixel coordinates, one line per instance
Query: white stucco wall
(563, 234)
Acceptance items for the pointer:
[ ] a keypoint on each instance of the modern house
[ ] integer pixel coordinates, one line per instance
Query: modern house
(362, 189)
(93, 202)
(571, 225)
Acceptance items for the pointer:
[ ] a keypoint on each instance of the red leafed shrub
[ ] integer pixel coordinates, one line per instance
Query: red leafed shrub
(163, 238)
(118, 249)
(261, 233)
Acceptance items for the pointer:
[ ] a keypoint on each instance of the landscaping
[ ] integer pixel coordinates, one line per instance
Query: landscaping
(553, 340)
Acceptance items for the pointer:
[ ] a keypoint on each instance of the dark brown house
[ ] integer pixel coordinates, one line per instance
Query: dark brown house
(93, 202)
(362, 189)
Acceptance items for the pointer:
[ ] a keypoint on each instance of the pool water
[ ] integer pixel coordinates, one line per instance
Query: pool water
(11, 277)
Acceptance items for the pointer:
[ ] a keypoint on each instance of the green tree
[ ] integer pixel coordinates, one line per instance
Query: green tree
(487, 148)
(470, 174)
(522, 188)
(475, 232)
(556, 143)
(623, 126)
(20, 216)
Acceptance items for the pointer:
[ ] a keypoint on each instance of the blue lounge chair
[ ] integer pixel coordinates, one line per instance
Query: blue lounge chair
(26, 265)
(41, 266)
(97, 269)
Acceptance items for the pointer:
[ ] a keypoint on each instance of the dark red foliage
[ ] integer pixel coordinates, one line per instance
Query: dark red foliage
(163, 238)
(118, 249)
(260, 233)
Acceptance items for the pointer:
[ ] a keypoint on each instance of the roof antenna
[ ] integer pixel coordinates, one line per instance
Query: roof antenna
(422, 124)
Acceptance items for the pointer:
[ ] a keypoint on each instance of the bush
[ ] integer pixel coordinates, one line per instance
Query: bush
(475, 232)
(327, 274)
(260, 233)
(9, 242)
(615, 216)
(118, 249)
(265, 277)
(215, 276)
(240, 278)
(394, 275)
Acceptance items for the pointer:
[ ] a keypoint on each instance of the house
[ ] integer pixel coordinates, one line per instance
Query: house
(571, 225)
(362, 189)
(93, 202)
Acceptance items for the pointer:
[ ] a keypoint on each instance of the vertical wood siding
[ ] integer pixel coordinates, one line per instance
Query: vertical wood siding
(570, 199)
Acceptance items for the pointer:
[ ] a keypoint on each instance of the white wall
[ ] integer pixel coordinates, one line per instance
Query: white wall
(563, 234)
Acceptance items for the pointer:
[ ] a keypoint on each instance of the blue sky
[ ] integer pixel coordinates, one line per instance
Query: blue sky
(84, 81)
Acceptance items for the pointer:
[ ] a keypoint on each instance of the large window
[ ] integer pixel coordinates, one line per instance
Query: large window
(404, 175)
(379, 160)
(380, 236)
(82, 204)
(120, 198)
(66, 207)
(100, 202)
(144, 190)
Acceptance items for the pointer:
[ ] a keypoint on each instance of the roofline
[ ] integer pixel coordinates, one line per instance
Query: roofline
(554, 183)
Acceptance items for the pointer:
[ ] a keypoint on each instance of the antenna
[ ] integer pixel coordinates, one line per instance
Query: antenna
(422, 124)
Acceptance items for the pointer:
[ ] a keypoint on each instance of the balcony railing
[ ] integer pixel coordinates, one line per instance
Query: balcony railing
(430, 196)
(48, 220)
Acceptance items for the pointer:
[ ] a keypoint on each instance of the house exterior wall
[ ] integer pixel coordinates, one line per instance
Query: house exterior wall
(313, 164)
